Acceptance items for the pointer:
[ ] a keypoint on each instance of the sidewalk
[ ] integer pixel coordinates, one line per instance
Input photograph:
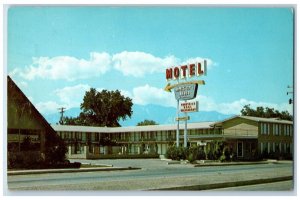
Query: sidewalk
(71, 170)
(207, 163)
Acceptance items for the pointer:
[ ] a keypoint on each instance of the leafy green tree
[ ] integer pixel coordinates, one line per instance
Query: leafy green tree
(56, 150)
(103, 108)
(265, 112)
(147, 122)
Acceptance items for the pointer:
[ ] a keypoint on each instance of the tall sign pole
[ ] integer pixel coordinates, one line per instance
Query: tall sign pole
(185, 91)
(177, 131)
(185, 131)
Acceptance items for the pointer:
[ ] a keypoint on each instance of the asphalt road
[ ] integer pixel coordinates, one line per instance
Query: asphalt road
(154, 174)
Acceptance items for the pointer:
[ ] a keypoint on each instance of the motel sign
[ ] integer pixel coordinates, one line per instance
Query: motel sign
(186, 71)
(185, 90)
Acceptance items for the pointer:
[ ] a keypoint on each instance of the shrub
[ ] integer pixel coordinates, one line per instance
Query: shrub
(222, 158)
(211, 155)
(126, 156)
(25, 160)
(192, 154)
(56, 153)
(55, 149)
(191, 158)
(200, 154)
(178, 153)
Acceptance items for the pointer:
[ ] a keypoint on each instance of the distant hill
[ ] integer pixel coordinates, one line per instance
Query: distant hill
(167, 115)
(160, 114)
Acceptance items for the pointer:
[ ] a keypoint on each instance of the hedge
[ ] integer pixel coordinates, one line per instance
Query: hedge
(126, 156)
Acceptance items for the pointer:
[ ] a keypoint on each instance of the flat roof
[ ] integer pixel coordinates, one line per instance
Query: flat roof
(93, 129)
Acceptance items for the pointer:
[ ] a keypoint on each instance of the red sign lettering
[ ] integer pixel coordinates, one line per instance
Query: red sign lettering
(183, 71)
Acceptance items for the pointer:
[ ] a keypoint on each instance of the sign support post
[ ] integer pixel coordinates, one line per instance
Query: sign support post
(185, 130)
(177, 131)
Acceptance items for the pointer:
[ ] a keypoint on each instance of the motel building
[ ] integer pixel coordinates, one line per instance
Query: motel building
(245, 136)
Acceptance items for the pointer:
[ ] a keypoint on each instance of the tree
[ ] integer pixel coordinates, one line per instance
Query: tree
(147, 122)
(265, 112)
(56, 149)
(103, 108)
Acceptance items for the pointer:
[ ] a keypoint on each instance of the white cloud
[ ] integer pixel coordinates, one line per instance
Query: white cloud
(208, 104)
(143, 95)
(136, 64)
(48, 107)
(67, 97)
(146, 94)
(209, 62)
(66, 67)
(126, 93)
(23, 84)
(72, 96)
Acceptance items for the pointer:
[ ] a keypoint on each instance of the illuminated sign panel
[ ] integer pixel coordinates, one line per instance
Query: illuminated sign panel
(191, 106)
(186, 91)
(185, 71)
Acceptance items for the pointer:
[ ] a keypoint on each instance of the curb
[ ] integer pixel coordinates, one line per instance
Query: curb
(227, 184)
(209, 164)
(233, 163)
(25, 172)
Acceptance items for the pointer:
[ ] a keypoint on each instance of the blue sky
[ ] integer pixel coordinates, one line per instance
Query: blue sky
(55, 54)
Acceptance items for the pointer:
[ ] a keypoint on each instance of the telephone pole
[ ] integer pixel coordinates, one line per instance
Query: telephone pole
(62, 110)
(290, 92)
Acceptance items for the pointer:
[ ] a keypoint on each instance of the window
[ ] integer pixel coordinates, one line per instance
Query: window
(264, 147)
(289, 130)
(78, 136)
(264, 128)
(275, 129)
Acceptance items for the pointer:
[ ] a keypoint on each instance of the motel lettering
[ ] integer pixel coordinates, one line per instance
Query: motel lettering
(185, 71)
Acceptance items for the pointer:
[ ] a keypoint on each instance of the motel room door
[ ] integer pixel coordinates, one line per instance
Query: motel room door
(240, 150)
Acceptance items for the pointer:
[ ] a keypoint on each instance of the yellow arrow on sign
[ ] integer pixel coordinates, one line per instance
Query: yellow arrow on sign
(169, 87)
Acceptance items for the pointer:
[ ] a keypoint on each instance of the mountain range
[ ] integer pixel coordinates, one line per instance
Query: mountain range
(160, 114)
